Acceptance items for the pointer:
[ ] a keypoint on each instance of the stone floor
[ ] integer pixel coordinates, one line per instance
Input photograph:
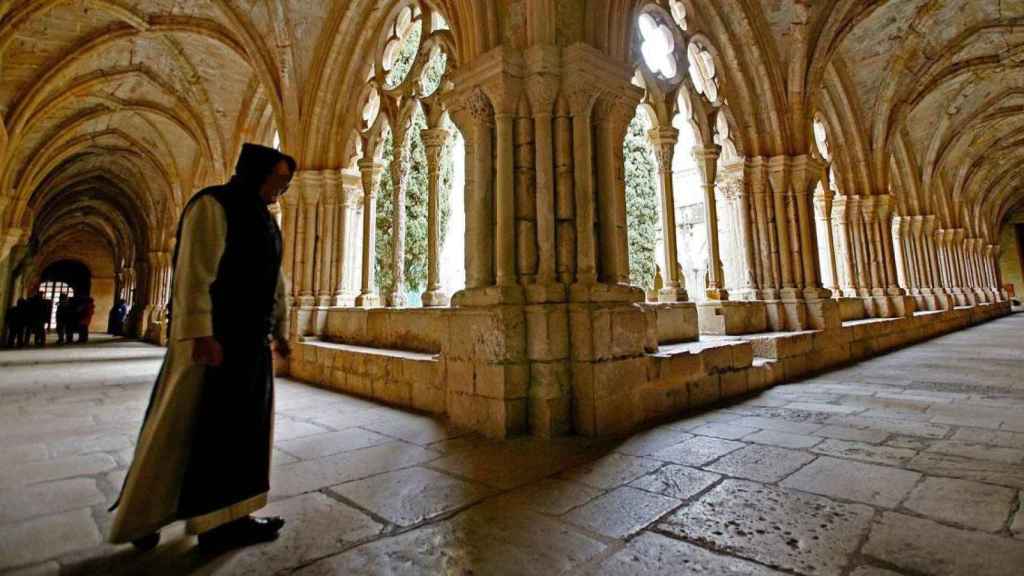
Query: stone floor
(911, 463)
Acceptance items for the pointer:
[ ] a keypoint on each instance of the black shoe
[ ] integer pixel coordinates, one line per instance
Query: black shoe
(147, 542)
(242, 532)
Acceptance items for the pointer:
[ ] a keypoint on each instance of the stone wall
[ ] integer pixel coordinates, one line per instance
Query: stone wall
(494, 370)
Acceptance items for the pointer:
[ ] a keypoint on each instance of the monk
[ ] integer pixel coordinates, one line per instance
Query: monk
(203, 454)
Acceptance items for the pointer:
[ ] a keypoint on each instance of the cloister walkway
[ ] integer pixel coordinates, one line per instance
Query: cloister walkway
(910, 463)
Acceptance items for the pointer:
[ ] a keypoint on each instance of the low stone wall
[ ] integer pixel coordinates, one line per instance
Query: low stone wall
(692, 376)
(474, 364)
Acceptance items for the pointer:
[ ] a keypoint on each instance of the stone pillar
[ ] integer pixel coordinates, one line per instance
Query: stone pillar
(289, 213)
(766, 263)
(310, 187)
(581, 103)
(542, 90)
(707, 167)
(350, 283)
(664, 140)
(328, 240)
(778, 176)
(370, 171)
(733, 190)
(397, 297)
(843, 245)
(823, 226)
(504, 95)
(434, 140)
(346, 240)
(565, 203)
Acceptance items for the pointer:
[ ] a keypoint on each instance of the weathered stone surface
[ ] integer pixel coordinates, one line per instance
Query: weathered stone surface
(852, 434)
(803, 533)
(762, 463)
(622, 512)
(656, 555)
(306, 476)
(978, 451)
(485, 540)
(611, 471)
(1011, 475)
(551, 496)
(969, 504)
(328, 528)
(674, 481)
(46, 537)
(727, 430)
(782, 439)
(410, 496)
(868, 483)
(925, 547)
(866, 452)
(49, 498)
(45, 470)
(697, 451)
(650, 441)
(320, 445)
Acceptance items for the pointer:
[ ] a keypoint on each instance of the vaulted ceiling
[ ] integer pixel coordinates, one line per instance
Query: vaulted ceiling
(114, 111)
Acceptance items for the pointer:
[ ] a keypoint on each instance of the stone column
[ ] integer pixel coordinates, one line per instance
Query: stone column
(707, 167)
(434, 140)
(289, 213)
(581, 103)
(664, 140)
(327, 240)
(479, 193)
(345, 242)
(504, 95)
(733, 188)
(805, 179)
(370, 171)
(543, 91)
(778, 176)
(822, 216)
(842, 209)
(311, 184)
(397, 297)
(766, 265)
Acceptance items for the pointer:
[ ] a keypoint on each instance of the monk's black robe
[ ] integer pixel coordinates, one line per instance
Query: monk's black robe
(204, 450)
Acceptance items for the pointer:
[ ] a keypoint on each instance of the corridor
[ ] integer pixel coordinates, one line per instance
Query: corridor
(909, 463)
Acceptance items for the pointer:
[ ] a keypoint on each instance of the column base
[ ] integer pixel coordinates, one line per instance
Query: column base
(670, 294)
(306, 301)
(823, 314)
(605, 293)
(434, 299)
(324, 301)
(345, 299)
(786, 315)
(397, 300)
(903, 306)
(547, 292)
(716, 294)
(368, 300)
(732, 317)
(488, 296)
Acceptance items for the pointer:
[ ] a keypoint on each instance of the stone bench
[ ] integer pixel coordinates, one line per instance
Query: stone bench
(403, 378)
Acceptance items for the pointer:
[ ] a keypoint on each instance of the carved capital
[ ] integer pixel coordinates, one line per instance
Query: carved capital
(542, 91)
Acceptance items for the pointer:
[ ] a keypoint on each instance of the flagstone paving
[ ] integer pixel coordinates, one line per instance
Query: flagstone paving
(911, 463)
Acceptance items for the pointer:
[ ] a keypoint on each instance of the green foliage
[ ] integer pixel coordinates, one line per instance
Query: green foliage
(642, 222)
(415, 180)
(405, 57)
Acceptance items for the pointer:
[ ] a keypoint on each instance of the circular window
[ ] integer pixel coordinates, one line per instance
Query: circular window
(433, 72)
(702, 72)
(657, 46)
(401, 48)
